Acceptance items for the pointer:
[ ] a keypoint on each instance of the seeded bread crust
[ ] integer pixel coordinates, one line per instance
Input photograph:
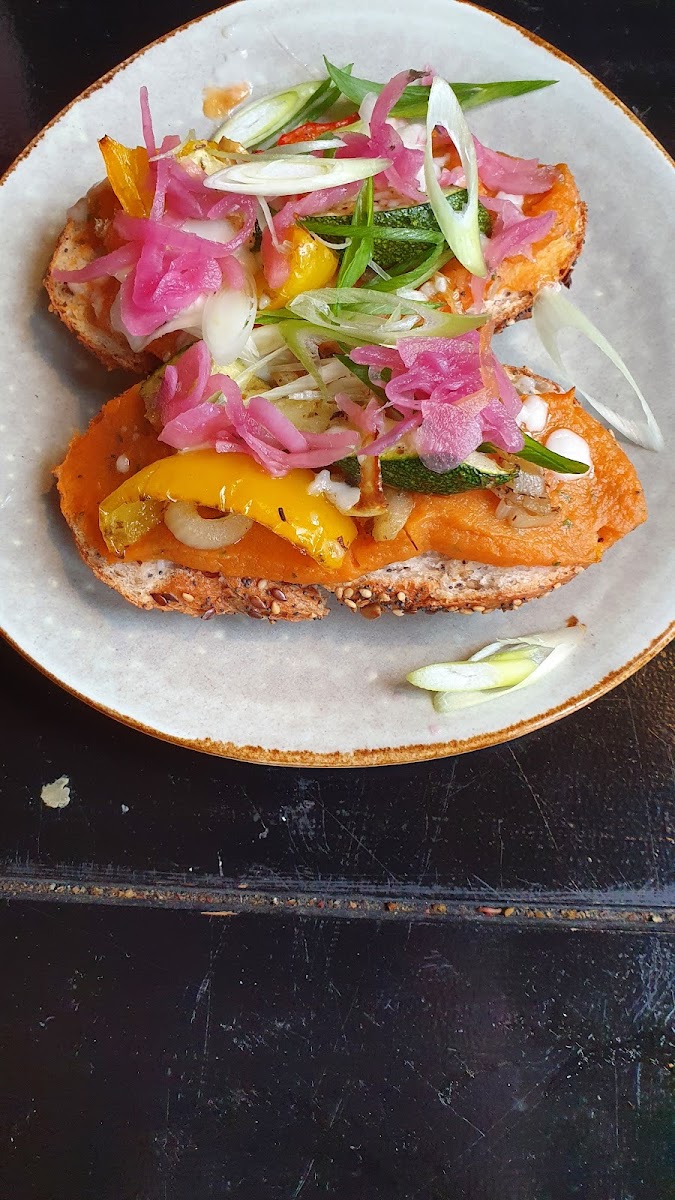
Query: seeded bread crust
(85, 307)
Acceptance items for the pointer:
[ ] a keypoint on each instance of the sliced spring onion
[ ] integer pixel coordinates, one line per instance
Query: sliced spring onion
(416, 276)
(413, 103)
(497, 669)
(358, 253)
(361, 373)
(228, 318)
(552, 311)
(269, 116)
(534, 452)
(384, 233)
(461, 230)
(378, 318)
(291, 174)
(298, 336)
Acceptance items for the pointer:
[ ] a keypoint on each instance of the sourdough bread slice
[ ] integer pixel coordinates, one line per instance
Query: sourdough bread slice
(85, 307)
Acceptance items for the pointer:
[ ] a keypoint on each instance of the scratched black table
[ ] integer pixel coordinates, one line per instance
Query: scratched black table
(448, 980)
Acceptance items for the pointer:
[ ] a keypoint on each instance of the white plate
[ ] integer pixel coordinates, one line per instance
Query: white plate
(330, 692)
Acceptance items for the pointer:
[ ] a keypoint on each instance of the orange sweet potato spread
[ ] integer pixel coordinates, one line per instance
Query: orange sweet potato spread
(591, 514)
(521, 274)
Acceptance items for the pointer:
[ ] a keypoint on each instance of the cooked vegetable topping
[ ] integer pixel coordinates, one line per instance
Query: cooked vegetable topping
(497, 669)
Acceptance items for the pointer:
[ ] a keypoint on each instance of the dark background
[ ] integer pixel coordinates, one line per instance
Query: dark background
(368, 1023)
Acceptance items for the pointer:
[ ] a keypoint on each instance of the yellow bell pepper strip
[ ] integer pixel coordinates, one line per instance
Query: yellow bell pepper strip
(232, 483)
(128, 173)
(313, 265)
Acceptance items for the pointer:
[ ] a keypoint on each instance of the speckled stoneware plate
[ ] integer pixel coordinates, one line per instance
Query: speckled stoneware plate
(329, 692)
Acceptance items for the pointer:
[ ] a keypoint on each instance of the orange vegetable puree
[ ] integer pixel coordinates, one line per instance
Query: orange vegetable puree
(591, 513)
(520, 274)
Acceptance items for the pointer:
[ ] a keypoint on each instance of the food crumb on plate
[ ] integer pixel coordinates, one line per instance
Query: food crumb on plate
(56, 794)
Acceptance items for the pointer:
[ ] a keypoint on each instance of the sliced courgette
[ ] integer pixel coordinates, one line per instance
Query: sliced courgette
(389, 254)
(403, 470)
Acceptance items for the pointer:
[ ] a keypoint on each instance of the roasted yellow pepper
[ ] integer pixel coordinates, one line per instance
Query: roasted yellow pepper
(313, 265)
(231, 483)
(128, 173)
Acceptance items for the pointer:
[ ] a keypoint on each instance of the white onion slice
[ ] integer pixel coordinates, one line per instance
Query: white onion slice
(227, 322)
(461, 230)
(504, 667)
(259, 120)
(552, 311)
(200, 533)
(390, 523)
(290, 175)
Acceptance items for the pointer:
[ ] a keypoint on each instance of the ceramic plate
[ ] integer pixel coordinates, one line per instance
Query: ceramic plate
(329, 692)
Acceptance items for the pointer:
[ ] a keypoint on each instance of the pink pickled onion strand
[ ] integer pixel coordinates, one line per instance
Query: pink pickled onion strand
(146, 119)
(363, 419)
(183, 384)
(205, 424)
(107, 264)
(276, 265)
(163, 290)
(164, 235)
(384, 141)
(478, 285)
(391, 92)
(161, 182)
(257, 429)
(518, 176)
(455, 388)
(277, 424)
(392, 436)
(517, 239)
(233, 273)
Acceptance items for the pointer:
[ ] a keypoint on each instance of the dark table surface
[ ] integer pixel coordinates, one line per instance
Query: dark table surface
(425, 1045)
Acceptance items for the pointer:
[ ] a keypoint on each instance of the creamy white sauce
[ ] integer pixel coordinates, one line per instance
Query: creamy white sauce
(342, 495)
(571, 445)
(533, 414)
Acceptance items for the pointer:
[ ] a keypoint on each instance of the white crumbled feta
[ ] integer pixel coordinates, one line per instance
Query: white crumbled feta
(342, 495)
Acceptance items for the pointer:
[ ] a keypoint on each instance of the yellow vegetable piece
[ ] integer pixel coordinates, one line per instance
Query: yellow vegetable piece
(128, 172)
(232, 483)
(313, 265)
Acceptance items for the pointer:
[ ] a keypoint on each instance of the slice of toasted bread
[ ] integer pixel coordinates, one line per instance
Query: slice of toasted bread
(85, 308)
(428, 582)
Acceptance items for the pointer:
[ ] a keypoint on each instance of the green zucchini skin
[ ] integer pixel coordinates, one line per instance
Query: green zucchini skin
(416, 216)
(407, 473)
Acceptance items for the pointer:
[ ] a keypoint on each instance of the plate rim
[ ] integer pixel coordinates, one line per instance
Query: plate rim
(385, 756)
(376, 756)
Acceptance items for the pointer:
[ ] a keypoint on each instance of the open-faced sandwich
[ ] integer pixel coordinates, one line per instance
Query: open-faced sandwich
(331, 417)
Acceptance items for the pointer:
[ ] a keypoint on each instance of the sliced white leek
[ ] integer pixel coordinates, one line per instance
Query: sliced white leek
(293, 174)
(460, 230)
(378, 317)
(259, 120)
(202, 533)
(227, 321)
(497, 669)
(552, 311)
